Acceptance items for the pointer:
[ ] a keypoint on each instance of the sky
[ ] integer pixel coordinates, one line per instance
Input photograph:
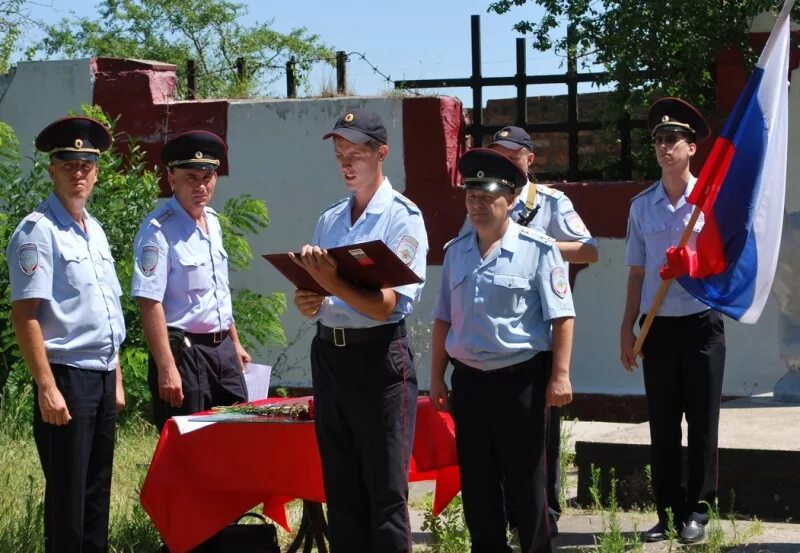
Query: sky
(406, 39)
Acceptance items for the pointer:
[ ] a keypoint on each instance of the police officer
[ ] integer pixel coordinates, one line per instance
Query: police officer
(180, 279)
(365, 385)
(684, 352)
(68, 320)
(551, 211)
(504, 318)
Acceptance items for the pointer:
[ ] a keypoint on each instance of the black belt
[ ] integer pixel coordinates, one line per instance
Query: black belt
(342, 337)
(205, 339)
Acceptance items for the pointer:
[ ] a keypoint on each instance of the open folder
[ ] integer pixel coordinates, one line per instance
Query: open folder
(370, 265)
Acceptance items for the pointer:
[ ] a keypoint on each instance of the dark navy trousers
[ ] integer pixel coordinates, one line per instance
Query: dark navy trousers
(77, 459)
(365, 403)
(684, 362)
(500, 437)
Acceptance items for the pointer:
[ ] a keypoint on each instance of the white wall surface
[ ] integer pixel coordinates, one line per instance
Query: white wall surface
(42, 91)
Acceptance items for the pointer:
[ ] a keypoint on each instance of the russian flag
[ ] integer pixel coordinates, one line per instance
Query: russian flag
(741, 190)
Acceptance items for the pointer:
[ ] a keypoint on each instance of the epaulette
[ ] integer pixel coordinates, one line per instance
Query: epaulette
(334, 204)
(454, 240)
(547, 191)
(647, 190)
(158, 221)
(412, 207)
(36, 215)
(537, 236)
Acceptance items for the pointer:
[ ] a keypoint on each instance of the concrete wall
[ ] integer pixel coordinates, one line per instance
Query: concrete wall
(276, 153)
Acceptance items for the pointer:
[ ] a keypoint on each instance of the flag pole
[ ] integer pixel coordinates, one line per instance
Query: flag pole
(664, 288)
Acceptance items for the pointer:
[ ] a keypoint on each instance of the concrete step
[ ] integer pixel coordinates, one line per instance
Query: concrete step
(759, 459)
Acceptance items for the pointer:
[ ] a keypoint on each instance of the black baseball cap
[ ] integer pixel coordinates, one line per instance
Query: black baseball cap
(359, 126)
(512, 138)
(676, 115)
(485, 169)
(194, 150)
(72, 138)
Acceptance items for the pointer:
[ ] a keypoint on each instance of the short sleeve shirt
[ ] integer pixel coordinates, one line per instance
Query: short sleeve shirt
(654, 225)
(390, 217)
(500, 308)
(51, 258)
(184, 268)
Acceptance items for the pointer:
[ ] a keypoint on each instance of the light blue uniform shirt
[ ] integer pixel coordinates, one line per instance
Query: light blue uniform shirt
(556, 216)
(390, 217)
(653, 226)
(500, 308)
(186, 270)
(51, 258)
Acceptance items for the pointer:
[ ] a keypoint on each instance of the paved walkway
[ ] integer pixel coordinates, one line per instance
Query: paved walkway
(579, 530)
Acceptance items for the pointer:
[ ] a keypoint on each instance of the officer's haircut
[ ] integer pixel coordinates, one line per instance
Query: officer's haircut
(373, 144)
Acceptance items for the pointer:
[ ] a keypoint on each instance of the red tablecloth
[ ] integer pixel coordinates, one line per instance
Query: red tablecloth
(201, 481)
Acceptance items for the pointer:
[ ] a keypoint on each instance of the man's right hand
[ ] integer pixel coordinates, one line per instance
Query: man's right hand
(627, 339)
(438, 394)
(53, 407)
(169, 387)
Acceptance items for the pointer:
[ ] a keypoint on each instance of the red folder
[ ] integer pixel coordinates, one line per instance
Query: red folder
(370, 265)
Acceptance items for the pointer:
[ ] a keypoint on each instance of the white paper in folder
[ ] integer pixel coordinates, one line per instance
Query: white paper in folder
(257, 379)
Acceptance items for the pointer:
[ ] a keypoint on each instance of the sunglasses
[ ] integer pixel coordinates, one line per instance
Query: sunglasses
(668, 139)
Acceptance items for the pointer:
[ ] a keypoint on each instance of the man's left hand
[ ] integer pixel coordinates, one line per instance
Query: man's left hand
(243, 355)
(319, 264)
(559, 391)
(120, 396)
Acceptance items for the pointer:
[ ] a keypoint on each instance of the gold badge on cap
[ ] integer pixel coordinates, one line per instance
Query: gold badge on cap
(198, 155)
(665, 119)
(349, 118)
(503, 133)
(78, 143)
(480, 174)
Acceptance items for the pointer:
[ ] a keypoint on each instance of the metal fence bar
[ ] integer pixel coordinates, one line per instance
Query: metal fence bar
(291, 84)
(477, 85)
(341, 72)
(191, 80)
(522, 89)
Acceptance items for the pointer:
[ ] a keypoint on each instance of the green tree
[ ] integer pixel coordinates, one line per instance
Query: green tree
(648, 47)
(209, 31)
(14, 18)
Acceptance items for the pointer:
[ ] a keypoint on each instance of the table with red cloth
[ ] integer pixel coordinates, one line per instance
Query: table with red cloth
(201, 481)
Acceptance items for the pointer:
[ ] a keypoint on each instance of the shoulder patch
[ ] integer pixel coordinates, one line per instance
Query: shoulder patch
(334, 204)
(406, 202)
(536, 236)
(547, 191)
(454, 240)
(162, 218)
(36, 215)
(647, 190)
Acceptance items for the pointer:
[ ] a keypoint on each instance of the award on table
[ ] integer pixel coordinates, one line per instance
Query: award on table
(371, 265)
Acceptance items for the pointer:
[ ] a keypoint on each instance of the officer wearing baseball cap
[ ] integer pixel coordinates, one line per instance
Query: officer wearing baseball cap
(365, 385)
(504, 318)
(684, 352)
(181, 282)
(68, 321)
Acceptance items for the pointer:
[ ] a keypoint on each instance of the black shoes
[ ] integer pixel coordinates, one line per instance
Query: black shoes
(692, 531)
(656, 533)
